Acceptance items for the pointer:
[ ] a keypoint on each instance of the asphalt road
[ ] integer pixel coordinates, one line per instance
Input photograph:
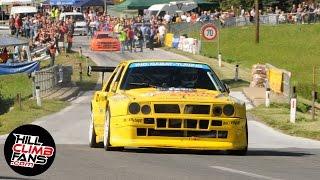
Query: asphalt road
(272, 155)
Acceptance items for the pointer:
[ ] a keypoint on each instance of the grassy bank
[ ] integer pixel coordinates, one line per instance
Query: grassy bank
(10, 85)
(291, 47)
(29, 112)
(277, 116)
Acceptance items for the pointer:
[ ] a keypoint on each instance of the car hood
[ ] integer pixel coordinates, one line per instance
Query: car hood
(176, 95)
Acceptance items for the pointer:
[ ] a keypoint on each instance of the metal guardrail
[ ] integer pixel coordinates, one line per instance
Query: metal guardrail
(286, 80)
(51, 77)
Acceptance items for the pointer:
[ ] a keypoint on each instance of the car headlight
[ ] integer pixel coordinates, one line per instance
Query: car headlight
(228, 110)
(145, 109)
(217, 111)
(134, 108)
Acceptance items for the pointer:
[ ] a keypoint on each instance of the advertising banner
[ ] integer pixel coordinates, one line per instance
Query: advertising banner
(25, 67)
(62, 2)
(275, 80)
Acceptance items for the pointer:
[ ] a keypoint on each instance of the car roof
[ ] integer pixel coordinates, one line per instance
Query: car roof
(162, 60)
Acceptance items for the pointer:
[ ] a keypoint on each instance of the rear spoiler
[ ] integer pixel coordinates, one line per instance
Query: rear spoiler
(102, 69)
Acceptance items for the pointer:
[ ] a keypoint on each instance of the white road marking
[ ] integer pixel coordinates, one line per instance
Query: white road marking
(243, 173)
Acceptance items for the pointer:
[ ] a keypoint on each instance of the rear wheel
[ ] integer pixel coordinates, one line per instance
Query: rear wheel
(106, 137)
(92, 134)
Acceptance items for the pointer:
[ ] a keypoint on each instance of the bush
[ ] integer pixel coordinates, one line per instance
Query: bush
(302, 107)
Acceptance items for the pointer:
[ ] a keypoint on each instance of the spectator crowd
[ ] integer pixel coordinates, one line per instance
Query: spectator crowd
(45, 29)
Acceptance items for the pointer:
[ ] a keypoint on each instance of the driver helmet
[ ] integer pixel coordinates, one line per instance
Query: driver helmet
(189, 77)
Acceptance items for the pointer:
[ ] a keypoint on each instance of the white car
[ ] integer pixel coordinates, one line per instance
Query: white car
(80, 26)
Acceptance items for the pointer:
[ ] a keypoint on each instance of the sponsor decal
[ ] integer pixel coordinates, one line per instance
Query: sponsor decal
(235, 123)
(29, 150)
(170, 64)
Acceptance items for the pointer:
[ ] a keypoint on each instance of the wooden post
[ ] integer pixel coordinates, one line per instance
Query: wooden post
(80, 52)
(19, 100)
(257, 21)
(313, 92)
(80, 72)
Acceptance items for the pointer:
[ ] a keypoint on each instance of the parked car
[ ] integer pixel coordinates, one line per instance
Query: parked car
(80, 26)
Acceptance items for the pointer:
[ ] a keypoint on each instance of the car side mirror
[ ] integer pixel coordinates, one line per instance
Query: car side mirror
(227, 87)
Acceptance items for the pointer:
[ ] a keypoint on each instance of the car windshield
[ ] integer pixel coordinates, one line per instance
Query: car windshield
(101, 36)
(171, 75)
(76, 17)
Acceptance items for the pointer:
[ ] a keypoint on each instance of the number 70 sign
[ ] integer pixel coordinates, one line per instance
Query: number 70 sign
(209, 31)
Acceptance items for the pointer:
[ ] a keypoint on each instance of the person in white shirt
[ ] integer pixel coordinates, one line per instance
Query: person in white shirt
(183, 17)
(188, 19)
(167, 17)
(162, 31)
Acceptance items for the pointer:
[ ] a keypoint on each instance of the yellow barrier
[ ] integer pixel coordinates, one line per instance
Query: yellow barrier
(168, 40)
(275, 80)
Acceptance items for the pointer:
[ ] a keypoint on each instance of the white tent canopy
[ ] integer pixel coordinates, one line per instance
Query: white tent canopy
(16, 2)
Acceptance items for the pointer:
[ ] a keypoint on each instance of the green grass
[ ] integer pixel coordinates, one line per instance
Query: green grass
(291, 47)
(277, 116)
(29, 112)
(10, 86)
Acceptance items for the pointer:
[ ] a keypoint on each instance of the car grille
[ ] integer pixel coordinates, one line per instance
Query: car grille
(109, 45)
(167, 108)
(182, 133)
(182, 123)
(187, 109)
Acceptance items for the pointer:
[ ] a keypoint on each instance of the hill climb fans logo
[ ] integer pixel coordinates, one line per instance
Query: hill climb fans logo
(29, 150)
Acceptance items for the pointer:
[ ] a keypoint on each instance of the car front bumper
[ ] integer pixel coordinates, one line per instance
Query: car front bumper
(129, 131)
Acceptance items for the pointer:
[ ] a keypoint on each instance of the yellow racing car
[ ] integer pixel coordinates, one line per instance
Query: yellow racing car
(166, 104)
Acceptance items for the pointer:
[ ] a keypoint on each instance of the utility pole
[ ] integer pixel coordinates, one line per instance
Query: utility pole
(257, 21)
(105, 7)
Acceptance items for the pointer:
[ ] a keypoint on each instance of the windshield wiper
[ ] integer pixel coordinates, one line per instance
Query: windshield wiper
(144, 84)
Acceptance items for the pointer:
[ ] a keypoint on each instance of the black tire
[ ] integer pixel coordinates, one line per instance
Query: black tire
(106, 139)
(92, 134)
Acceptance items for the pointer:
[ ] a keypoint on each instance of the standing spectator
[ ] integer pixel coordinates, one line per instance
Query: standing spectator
(252, 14)
(26, 27)
(167, 17)
(71, 26)
(12, 25)
(122, 39)
(152, 36)
(277, 10)
(299, 13)
(69, 41)
(130, 38)
(18, 25)
(52, 51)
(162, 32)
(139, 35)
(146, 31)
(56, 39)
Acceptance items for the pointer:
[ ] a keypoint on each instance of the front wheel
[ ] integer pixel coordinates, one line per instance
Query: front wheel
(106, 135)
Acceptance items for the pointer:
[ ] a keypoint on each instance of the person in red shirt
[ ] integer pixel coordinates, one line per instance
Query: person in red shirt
(130, 38)
(18, 25)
